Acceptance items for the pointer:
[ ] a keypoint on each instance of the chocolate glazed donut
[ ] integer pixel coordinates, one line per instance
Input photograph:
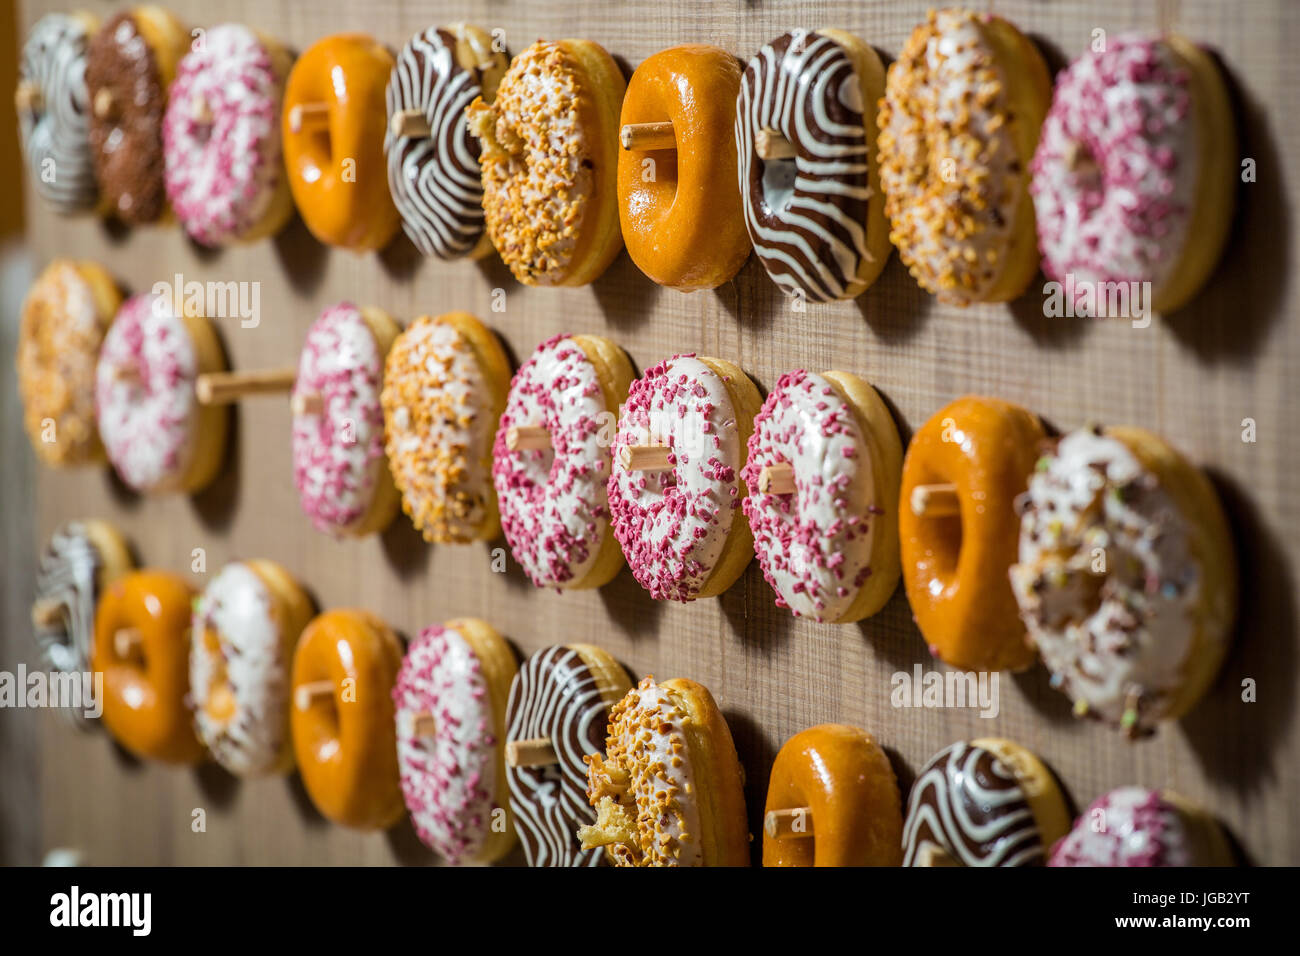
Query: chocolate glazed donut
(807, 216)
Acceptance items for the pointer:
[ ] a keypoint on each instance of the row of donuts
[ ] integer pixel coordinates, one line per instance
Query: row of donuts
(961, 155)
(1104, 550)
(560, 753)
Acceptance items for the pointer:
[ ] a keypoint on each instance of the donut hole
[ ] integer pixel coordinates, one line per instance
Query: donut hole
(779, 177)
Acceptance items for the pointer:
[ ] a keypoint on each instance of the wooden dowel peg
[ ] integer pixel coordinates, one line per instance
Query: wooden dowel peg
(528, 438)
(787, 824)
(307, 114)
(935, 501)
(776, 479)
(126, 640)
(409, 123)
(304, 695)
(932, 854)
(770, 144)
(103, 102)
(220, 388)
(648, 136)
(200, 111)
(536, 752)
(47, 613)
(307, 403)
(423, 725)
(645, 457)
(28, 98)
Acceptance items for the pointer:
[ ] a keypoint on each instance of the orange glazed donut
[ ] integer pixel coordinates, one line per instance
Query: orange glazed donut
(682, 220)
(344, 735)
(142, 647)
(334, 123)
(959, 530)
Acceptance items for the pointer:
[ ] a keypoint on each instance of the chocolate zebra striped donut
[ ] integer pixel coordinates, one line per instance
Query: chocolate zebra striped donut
(53, 107)
(563, 695)
(816, 216)
(983, 803)
(433, 168)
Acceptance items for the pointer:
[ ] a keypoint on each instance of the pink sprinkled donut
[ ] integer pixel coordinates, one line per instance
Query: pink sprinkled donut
(551, 461)
(450, 704)
(223, 167)
(339, 466)
(1132, 178)
(157, 435)
(675, 489)
(825, 464)
(1134, 826)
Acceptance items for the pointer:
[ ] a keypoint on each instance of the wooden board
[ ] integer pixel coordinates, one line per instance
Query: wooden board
(1194, 377)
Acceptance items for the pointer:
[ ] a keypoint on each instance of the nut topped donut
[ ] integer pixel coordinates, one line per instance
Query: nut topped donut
(1126, 579)
(339, 466)
(680, 214)
(334, 141)
(450, 700)
(675, 491)
(824, 466)
(65, 316)
(558, 713)
(983, 803)
(157, 435)
(1133, 177)
(433, 168)
(53, 106)
(224, 168)
(550, 158)
(806, 138)
(1134, 826)
(445, 383)
(958, 126)
(245, 625)
(551, 461)
(130, 65)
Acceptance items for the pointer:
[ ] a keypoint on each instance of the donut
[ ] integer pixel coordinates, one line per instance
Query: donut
(79, 562)
(445, 384)
(669, 789)
(1134, 826)
(557, 714)
(333, 141)
(963, 106)
(957, 526)
(551, 461)
(64, 318)
(549, 143)
(53, 106)
(130, 64)
(450, 704)
(141, 646)
(339, 466)
(157, 435)
(675, 490)
(433, 169)
(223, 167)
(806, 137)
(680, 217)
(1126, 581)
(984, 802)
(1133, 176)
(832, 800)
(823, 471)
(245, 625)
(344, 670)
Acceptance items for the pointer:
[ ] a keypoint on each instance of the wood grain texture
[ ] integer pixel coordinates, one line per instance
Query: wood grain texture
(1234, 353)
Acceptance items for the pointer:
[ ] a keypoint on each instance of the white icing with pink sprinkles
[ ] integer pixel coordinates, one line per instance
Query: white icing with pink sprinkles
(673, 525)
(222, 167)
(1115, 174)
(814, 545)
(144, 394)
(338, 455)
(448, 780)
(554, 505)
